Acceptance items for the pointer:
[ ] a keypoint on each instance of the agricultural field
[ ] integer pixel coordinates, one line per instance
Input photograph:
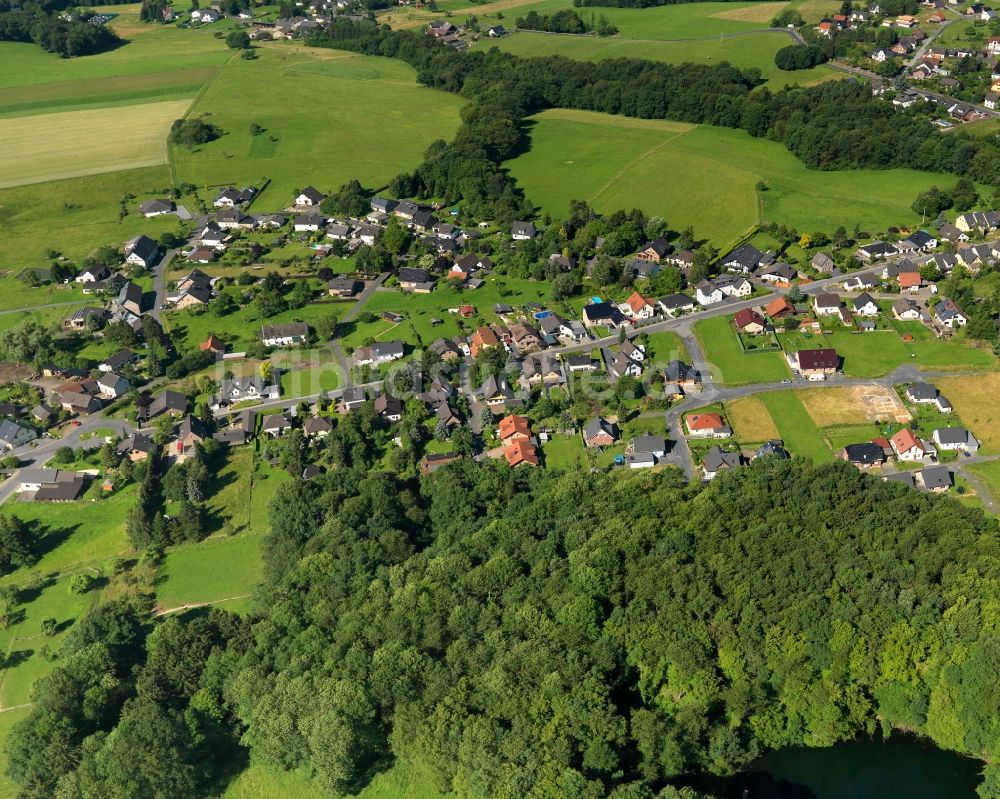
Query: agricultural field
(750, 420)
(69, 144)
(976, 400)
(308, 138)
(733, 366)
(681, 21)
(755, 50)
(616, 162)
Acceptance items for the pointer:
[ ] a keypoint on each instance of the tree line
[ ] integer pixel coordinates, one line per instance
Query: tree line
(565, 21)
(67, 38)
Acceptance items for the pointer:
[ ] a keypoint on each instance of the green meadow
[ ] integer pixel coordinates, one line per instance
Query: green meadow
(702, 176)
(328, 116)
(753, 50)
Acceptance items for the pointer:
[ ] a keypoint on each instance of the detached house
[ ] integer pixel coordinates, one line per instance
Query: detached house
(749, 322)
(599, 432)
(707, 425)
(284, 335)
(14, 435)
(141, 251)
(717, 460)
(907, 447)
(309, 197)
(827, 304)
(814, 364)
(864, 305)
(743, 259)
(523, 231)
(947, 313)
(955, 439)
(638, 307)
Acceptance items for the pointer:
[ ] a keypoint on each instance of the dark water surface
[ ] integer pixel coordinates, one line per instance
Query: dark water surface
(903, 766)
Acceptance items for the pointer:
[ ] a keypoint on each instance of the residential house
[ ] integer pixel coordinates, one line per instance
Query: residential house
(83, 318)
(389, 407)
(344, 287)
(431, 462)
(112, 386)
(379, 352)
(496, 393)
(14, 434)
(779, 308)
(137, 447)
(244, 389)
(157, 207)
(645, 450)
(213, 345)
(750, 322)
(603, 314)
(78, 402)
(864, 305)
(541, 369)
(774, 449)
(284, 335)
(142, 251)
(978, 221)
(446, 349)
(309, 197)
(93, 274)
(864, 456)
(190, 431)
(778, 274)
(948, 314)
(521, 453)
(876, 250)
(415, 279)
(743, 259)
(118, 360)
(581, 362)
(275, 425)
(618, 364)
(814, 364)
(483, 338)
(955, 439)
(523, 231)
(304, 223)
(822, 262)
(906, 310)
(921, 393)
(655, 250)
(907, 447)
(513, 428)
(861, 282)
(674, 304)
(51, 485)
(555, 329)
(827, 304)
(681, 376)
(599, 432)
(707, 425)
(443, 412)
(169, 402)
(524, 337)
(130, 299)
(717, 460)
(936, 479)
(352, 398)
(734, 285)
(949, 232)
(637, 307)
(707, 293)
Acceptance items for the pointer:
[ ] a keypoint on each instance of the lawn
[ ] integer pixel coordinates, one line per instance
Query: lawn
(734, 367)
(797, 430)
(226, 567)
(69, 144)
(617, 162)
(564, 452)
(420, 309)
(976, 400)
(743, 50)
(401, 781)
(989, 473)
(340, 116)
(75, 216)
(78, 534)
(750, 420)
(664, 347)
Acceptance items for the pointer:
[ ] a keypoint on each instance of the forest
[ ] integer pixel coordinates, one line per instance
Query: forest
(831, 126)
(41, 25)
(534, 633)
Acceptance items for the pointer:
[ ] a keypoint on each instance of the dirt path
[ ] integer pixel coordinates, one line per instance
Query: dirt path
(193, 605)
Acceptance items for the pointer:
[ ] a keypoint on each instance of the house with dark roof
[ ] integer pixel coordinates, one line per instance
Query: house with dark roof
(284, 335)
(955, 439)
(523, 231)
(605, 314)
(742, 260)
(415, 279)
(130, 299)
(936, 479)
(864, 456)
(718, 460)
(599, 432)
(674, 304)
(157, 207)
(142, 251)
(814, 364)
(645, 451)
(343, 287)
(309, 196)
(13, 434)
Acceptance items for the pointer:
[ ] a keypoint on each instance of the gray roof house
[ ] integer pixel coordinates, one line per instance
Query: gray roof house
(717, 460)
(14, 435)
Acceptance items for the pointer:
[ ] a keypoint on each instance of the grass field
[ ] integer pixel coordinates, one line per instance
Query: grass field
(615, 162)
(735, 367)
(977, 402)
(989, 473)
(750, 420)
(69, 144)
(744, 50)
(797, 430)
(564, 452)
(334, 116)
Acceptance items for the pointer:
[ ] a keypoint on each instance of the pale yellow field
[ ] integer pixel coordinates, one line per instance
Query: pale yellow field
(977, 402)
(761, 12)
(750, 420)
(851, 405)
(74, 143)
(815, 10)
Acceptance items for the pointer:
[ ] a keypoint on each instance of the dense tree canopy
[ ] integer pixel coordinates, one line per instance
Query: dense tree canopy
(533, 633)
